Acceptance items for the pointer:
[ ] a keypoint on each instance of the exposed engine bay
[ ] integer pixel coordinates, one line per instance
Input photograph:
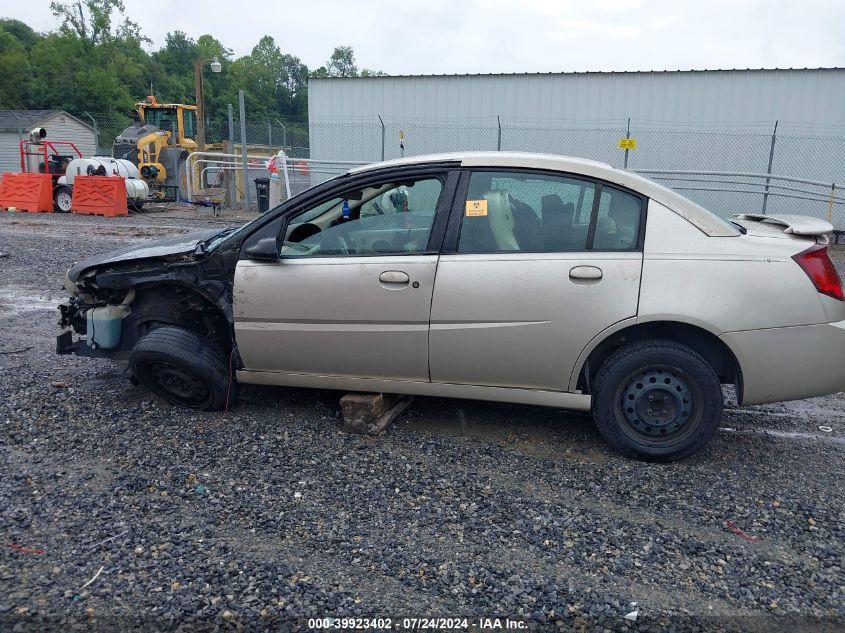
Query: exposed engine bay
(118, 298)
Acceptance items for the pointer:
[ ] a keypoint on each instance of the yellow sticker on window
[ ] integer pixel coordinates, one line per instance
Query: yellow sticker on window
(476, 208)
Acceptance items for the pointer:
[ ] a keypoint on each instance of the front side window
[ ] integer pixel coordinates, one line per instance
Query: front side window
(522, 212)
(390, 218)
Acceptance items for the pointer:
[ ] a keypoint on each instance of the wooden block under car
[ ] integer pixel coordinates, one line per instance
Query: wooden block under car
(371, 413)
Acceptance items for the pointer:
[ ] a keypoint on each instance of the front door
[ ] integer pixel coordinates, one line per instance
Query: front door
(351, 292)
(542, 264)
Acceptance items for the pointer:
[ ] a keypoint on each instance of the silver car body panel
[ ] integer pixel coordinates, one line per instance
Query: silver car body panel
(790, 363)
(332, 315)
(519, 320)
(514, 327)
(540, 397)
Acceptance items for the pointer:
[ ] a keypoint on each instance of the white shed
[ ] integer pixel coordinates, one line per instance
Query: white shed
(61, 126)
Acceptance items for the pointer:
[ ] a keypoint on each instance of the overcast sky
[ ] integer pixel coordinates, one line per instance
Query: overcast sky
(492, 36)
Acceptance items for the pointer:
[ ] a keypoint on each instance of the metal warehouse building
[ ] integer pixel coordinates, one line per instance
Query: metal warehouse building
(15, 126)
(685, 120)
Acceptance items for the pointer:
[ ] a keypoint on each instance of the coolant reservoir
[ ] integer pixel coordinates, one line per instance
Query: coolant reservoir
(104, 325)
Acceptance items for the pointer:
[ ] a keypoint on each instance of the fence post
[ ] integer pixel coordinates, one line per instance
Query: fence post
(627, 135)
(382, 135)
(284, 136)
(231, 127)
(499, 135)
(769, 170)
(96, 130)
(244, 158)
(269, 134)
(229, 148)
(830, 203)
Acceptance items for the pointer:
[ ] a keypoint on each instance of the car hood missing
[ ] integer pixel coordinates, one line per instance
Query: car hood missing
(176, 245)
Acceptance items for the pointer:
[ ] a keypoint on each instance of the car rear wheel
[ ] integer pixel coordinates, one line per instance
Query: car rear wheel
(657, 401)
(184, 368)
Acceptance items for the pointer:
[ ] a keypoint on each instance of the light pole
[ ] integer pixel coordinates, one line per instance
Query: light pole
(216, 67)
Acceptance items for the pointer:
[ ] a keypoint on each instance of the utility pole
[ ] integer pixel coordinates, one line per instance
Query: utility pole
(769, 170)
(200, 110)
(244, 159)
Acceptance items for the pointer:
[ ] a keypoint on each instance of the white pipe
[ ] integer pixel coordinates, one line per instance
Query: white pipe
(285, 170)
(189, 169)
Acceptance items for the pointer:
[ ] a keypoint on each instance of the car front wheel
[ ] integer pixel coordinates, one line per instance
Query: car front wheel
(184, 368)
(657, 401)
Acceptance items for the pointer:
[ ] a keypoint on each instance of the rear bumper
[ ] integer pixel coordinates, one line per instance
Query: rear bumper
(790, 363)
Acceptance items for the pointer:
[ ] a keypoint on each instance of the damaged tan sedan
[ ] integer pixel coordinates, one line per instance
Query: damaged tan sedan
(512, 277)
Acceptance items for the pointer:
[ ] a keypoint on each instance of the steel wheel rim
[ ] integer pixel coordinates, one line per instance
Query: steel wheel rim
(177, 384)
(658, 404)
(64, 201)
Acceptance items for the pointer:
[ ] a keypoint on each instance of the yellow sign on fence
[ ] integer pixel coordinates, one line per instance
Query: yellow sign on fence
(627, 143)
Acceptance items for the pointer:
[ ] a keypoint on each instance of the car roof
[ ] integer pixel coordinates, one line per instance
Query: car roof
(695, 214)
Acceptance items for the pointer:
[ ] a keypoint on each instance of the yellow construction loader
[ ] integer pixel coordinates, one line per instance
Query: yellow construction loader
(159, 142)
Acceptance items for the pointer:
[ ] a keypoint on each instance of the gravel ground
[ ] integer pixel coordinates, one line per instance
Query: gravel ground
(270, 513)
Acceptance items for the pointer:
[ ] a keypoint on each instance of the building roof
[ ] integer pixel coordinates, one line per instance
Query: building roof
(25, 120)
(686, 208)
(591, 72)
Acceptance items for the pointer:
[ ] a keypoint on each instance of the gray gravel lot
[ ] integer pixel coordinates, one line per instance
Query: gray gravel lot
(270, 513)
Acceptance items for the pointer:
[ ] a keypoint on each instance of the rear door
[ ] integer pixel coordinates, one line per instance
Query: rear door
(534, 266)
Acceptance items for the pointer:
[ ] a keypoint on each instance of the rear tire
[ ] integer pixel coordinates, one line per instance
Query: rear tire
(62, 199)
(184, 368)
(657, 401)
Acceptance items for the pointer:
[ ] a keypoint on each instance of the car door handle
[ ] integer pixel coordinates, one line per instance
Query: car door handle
(585, 273)
(394, 277)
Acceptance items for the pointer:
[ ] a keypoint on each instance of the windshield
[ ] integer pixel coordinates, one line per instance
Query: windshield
(233, 231)
(162, 118)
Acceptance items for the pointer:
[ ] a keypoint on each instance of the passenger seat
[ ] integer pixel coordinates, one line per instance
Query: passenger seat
(557, 223)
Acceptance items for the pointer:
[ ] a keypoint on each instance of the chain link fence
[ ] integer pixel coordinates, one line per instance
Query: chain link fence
(784, 148)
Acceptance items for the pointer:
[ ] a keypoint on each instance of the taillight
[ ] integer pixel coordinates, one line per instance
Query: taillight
(821, 271)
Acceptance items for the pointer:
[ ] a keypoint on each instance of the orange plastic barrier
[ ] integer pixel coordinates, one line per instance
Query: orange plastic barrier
(27, 192)
(99, 195)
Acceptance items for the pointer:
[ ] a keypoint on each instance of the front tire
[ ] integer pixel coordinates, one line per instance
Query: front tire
(184, 368)
(63, 198)
(657, 401)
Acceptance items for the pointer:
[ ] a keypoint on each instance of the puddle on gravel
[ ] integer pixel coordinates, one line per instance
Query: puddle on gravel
(15, 300)
(790, 435)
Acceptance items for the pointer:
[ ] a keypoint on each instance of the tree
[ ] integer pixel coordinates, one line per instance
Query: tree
(342, 63)
(15, 70)
(89, 20)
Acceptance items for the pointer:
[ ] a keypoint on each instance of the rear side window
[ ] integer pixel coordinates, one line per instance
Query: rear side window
(522, 212)
(617, 221)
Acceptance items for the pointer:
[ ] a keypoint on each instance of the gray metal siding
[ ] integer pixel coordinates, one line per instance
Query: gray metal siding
(696, 120)
(63, 127)
(720, 96)
(9, 155)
